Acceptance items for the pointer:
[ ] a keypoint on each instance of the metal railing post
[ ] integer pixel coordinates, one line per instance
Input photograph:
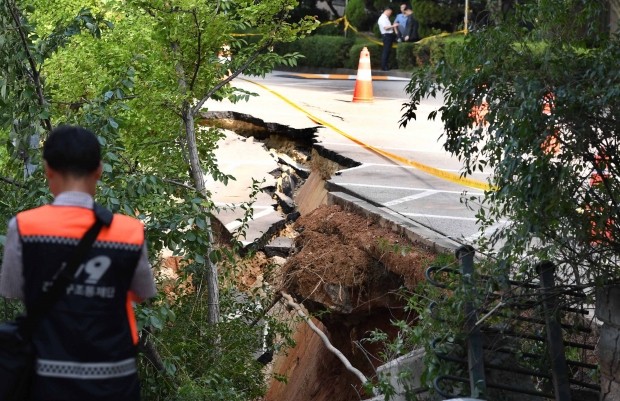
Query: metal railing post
(475, 353)
(559, 370)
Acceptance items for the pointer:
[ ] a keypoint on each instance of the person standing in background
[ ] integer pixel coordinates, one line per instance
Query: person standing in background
(401, 20)
(387, 30)
(411, 32)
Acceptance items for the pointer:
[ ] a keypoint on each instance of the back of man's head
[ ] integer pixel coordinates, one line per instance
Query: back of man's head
(72, 150)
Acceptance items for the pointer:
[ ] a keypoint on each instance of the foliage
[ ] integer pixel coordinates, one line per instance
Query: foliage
(434, 15)
(133, 78)
(425, 52)
(405, 55)
(433, 50)
(319, 51)
(375, 55)
(424, 328)
(201, 371)
(357, 15)
(308, 7)
(338, 52)
(332, 28)
(560, 199)
(25, 111)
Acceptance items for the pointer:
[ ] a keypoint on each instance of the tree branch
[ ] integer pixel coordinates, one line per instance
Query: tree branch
(182, 81)
(182, 185)
(147, 347)
(232, 76)
(12, 182)
(198, 52)
(34, 74)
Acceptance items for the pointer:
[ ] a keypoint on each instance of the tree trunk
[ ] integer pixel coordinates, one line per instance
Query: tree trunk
(213, 293)
(608, 311)
(187, 114)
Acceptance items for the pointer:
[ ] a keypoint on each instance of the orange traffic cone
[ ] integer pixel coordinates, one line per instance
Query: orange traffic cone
(363, 83)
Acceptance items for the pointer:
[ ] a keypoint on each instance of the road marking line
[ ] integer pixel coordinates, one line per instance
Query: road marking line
(364, 165)
(237, 204)
(420, 166)
(340, 77)
(490, 230)
(437, 216)
(236, 224)
(410, 198)
(385, 148)
(352, 184)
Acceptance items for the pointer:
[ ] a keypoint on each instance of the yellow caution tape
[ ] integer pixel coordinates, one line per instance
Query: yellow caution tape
(369, 37)
(455, 178)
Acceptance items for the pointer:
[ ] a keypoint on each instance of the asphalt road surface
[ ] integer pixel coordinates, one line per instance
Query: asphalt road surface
(401, 169)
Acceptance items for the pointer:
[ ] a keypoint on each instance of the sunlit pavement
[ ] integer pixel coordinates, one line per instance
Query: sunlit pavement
(357, 131)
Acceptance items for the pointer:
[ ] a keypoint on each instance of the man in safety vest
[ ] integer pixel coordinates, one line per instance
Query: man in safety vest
(86, 344)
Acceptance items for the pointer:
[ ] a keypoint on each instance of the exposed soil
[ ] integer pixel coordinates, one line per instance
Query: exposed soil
(346, 270)
(348, 263)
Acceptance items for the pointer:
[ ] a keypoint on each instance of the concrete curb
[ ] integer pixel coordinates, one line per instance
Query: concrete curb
(387, 218)
(343, 71)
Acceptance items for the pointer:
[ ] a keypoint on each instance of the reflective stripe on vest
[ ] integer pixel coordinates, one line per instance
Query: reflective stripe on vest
(77, 370)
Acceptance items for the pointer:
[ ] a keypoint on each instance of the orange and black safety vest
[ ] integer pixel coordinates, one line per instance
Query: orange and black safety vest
(86, 345)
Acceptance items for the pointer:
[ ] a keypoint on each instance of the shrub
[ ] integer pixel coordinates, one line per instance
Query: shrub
(375, 56)
(405, 55)
(320, 51)
(422, 53)
(203, 361)
(330, 29)
(433, 16)
(450, 47)
(359, 16)
(429, 51)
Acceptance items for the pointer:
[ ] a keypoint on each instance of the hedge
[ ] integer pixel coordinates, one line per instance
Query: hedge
(339, 52)
(320, 51)
(375, 56)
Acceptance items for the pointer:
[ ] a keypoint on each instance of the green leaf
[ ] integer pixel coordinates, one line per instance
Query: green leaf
(156, 322)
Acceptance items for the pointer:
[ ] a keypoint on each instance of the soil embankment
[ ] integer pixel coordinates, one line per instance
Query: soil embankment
(346, 269)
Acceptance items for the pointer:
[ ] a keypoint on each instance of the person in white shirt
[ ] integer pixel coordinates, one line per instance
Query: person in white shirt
(387, 30)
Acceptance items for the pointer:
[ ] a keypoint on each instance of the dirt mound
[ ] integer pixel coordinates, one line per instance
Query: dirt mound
(345, 261)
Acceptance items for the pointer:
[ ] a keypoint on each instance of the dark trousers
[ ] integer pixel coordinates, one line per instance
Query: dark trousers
(388, 39)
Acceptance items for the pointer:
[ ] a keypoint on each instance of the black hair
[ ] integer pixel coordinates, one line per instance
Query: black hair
(72, 150)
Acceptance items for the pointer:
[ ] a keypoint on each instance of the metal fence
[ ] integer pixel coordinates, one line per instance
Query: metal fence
(525, 340)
